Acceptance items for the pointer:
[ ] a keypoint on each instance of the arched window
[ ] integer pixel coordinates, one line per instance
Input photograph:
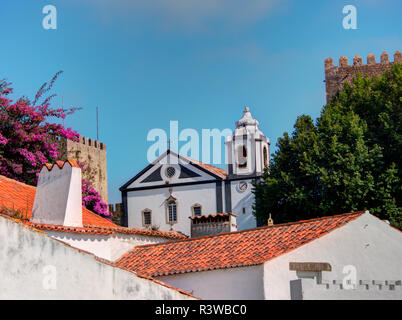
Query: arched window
(171, 206)
(196, 210)
(242, 157)
(265, 155)
(147, 218)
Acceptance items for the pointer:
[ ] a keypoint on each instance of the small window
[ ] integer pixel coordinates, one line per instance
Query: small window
(172, 212)
(265, 154)
(244, 210)
(197, 210)
(147, 218)
(242, 157)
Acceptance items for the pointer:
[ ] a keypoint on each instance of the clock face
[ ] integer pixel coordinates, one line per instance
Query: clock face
(242, 186)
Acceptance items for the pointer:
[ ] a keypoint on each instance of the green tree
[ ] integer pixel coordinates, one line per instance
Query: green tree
(348, 160)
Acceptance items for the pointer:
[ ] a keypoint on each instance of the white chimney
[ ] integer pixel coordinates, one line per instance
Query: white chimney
(58, 198)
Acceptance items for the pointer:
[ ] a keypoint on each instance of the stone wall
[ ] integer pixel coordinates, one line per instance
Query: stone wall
(93, 153)
(335, 76)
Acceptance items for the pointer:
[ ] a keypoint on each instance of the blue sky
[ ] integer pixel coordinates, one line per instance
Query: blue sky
(145, 63)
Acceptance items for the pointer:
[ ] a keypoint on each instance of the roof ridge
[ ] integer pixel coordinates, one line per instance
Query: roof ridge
(16, 181)
(199, 162)
(357, 213)
(60, 164)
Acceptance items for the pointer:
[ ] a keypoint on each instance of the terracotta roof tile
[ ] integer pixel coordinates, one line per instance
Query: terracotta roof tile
(20, 196)
(213, 215)
(214, 170)
(60, 164)
(228, 250)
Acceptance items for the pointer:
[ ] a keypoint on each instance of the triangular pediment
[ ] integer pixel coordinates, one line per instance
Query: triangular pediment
(171, 168)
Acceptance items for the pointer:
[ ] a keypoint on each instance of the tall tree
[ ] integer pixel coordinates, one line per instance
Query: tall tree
(339, 164)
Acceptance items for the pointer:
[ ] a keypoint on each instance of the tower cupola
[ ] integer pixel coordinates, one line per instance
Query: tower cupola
(247, 150)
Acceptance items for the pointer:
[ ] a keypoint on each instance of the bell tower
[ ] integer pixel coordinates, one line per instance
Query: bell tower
(247, 150)
(247, 153)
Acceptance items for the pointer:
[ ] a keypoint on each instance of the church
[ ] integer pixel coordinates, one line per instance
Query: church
(174, 190)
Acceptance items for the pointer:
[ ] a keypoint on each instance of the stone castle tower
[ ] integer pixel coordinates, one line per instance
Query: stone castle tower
(93, 153)
(335, 76)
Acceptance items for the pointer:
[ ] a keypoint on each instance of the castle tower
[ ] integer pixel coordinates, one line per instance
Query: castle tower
(247, 153)
(93, 154)
(335, 76)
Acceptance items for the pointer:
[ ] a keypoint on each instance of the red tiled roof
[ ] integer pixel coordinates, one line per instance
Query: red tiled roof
(213, 215)
(229, 250)
(215, 170)
(20, 196)
(91, 229)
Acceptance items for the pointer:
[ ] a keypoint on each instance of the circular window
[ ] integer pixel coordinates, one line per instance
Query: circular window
(170, 172)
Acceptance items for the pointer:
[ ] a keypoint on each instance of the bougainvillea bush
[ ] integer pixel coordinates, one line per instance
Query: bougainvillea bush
(91, 199)
(28, 139)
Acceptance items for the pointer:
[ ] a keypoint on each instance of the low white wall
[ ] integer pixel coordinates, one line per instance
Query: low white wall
(222, 284)
(109, 247)
(35, 266)
(367, 243)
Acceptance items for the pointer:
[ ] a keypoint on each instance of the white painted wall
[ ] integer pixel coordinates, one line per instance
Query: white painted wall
(109, 247)
(30, 259)
(222, 284)
(371, 245)
(242, 200)
(154, 199)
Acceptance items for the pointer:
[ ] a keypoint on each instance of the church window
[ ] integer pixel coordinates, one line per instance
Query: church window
(265, 155)
(170, 172)
(147, 218)
(242, 157)
(172, 211)
(197, 210)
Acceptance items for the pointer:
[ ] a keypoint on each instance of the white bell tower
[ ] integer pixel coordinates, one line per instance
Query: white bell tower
(247, 153)
(247, 150)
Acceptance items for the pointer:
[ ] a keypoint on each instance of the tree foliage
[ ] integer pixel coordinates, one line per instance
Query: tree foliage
(348, 160)
(28, 140)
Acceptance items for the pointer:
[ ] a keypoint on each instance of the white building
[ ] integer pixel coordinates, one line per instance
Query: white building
(69, 252)
(174, 188)
(347, 256)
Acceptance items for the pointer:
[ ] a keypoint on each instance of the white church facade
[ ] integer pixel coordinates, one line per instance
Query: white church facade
(174, 188)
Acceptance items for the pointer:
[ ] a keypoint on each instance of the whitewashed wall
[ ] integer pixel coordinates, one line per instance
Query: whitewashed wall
(367, 243)
(109, 247)
(187, 196)
(222, 284)
(242, 200)
(30, 259)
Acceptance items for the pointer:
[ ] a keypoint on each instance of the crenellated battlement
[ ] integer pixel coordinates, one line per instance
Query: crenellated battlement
(93, 153)
(92, 143)
(335, 76)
